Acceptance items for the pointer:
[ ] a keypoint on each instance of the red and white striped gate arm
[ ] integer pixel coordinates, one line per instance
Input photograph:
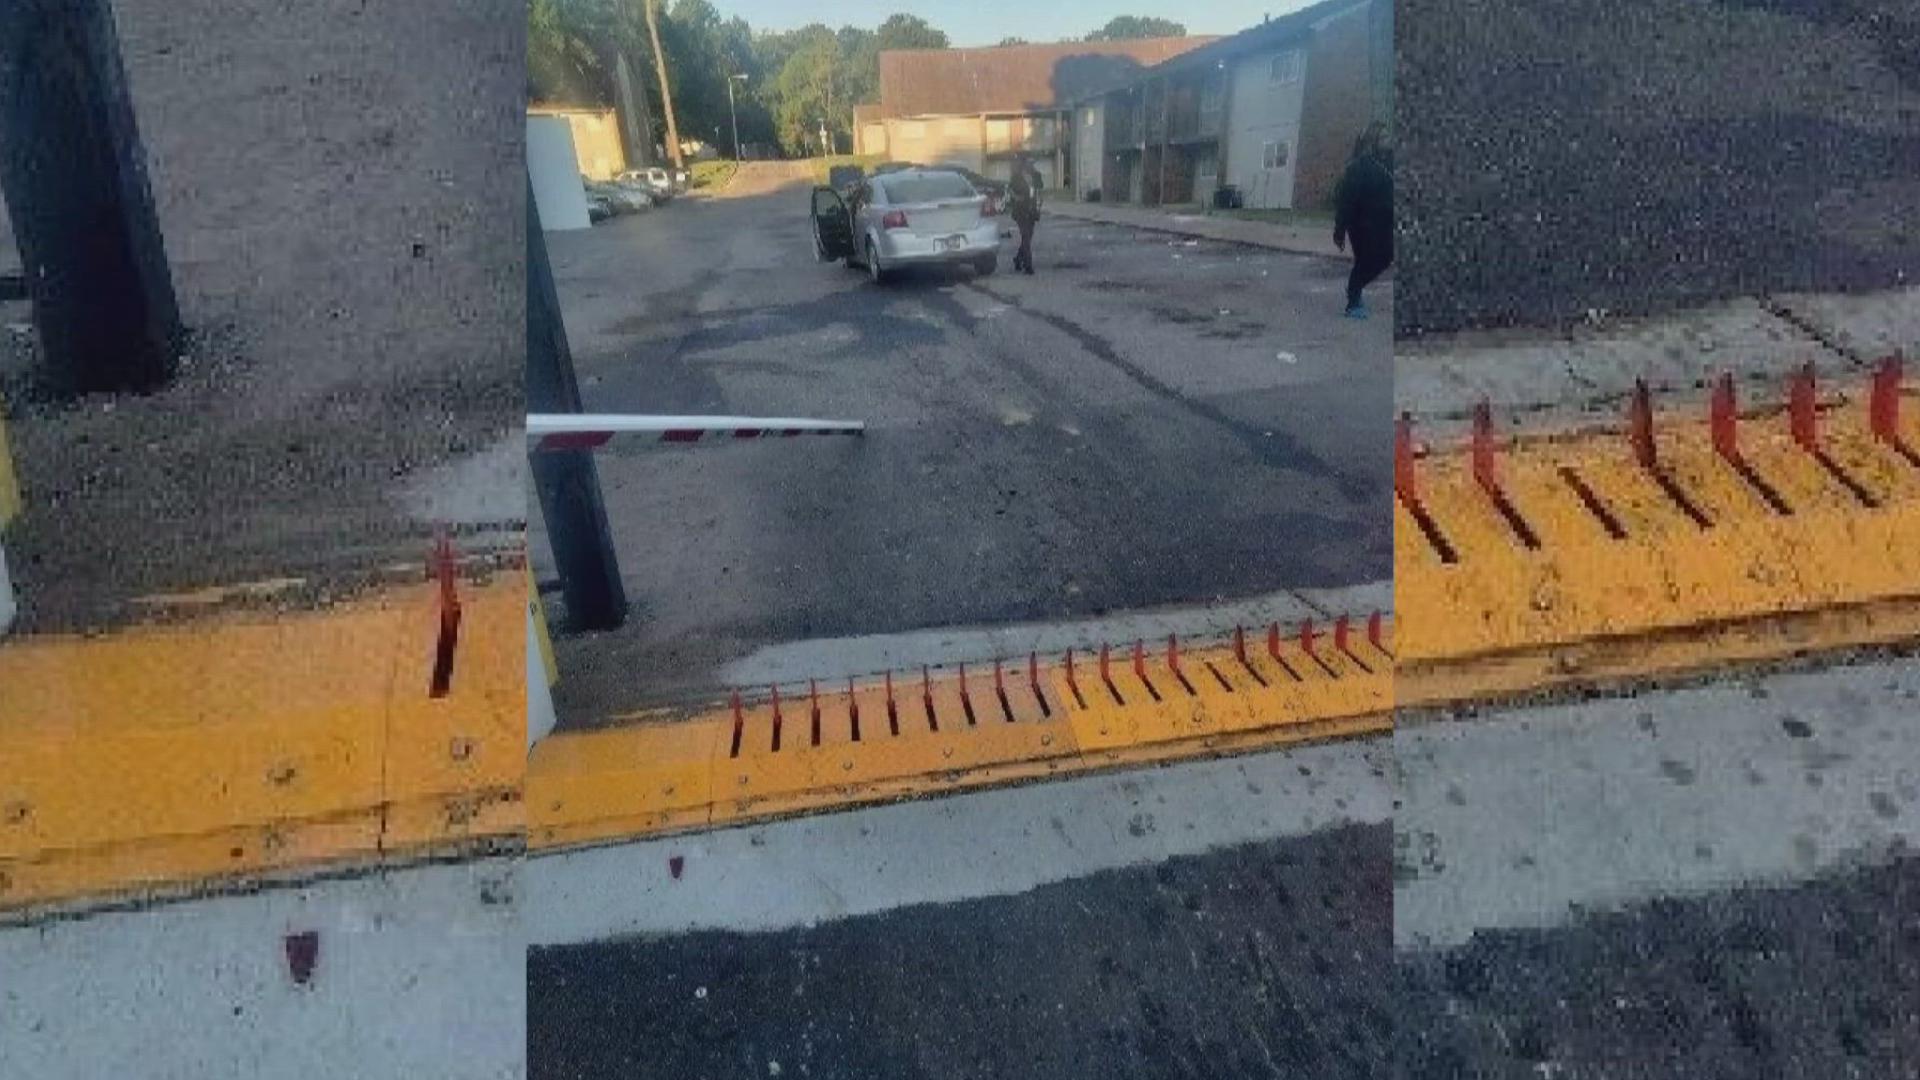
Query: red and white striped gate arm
(585, 431)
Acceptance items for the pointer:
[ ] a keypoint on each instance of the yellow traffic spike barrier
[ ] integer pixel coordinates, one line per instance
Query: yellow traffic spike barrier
(170, 757)
(814, 747)
(1682, 544)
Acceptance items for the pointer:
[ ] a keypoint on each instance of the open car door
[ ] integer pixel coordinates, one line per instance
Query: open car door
(832, 225)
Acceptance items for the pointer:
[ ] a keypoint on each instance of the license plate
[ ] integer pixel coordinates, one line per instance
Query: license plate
(952, 243)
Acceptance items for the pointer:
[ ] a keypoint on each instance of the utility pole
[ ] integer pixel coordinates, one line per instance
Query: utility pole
(666, 94)
(734, 114)
(76, 188)
(566, 481)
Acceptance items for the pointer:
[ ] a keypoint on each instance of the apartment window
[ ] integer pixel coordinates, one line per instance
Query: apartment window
(1285, 68)
(1274, 155)
(1089, 115)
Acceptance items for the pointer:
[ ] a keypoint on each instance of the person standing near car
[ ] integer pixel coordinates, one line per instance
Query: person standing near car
(1023, 200)
(1364, 213)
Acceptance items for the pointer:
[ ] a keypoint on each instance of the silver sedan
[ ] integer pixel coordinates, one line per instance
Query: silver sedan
(906, 218)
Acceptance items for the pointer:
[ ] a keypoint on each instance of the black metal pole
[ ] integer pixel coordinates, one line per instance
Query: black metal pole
(567, 483)
(76, 188)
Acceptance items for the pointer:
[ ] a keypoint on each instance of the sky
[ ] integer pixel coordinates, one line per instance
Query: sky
(985, 22)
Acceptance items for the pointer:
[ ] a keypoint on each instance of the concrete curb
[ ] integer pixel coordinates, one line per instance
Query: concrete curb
(1244, 233)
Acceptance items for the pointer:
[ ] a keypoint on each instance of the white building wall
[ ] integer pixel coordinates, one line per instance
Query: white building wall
(1089, 148)
(554, 168)
(1261, 111)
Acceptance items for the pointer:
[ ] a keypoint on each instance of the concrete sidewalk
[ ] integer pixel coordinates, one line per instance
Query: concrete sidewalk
(1305, 239)
(1546, 379)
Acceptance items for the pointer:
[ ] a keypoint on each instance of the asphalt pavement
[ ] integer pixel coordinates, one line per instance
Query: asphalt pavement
(1212, 918)
(1151, 420)
(339, 190)
(1644, 156)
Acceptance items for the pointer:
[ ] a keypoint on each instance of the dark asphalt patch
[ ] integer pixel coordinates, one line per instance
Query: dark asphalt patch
(1820, 979)
(1530, 194)
(1269, 960)
(1272, 447)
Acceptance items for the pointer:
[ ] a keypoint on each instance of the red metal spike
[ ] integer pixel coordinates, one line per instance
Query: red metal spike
(1883, 406)
(776, 716)
(813, 710)
(1071, 683)
(739, 719)
(999, 687)
(1405, 482)
(1484, 470)
(1640, 425)
(1033, 671)
(1106, 672)
(889, 675)
(1139, 659)
(1306, 638)
(1801, 418)
(1340, 633)
(1723, 417)
(1374, 631)
(1273, 640)
(1173, 653)
(1240, 645)
(853, 707)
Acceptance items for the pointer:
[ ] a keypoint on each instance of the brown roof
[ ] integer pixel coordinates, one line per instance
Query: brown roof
(1014, 78)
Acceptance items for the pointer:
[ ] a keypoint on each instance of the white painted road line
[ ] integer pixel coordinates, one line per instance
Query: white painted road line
(987, 843)
(1524, 818)
(417, 974)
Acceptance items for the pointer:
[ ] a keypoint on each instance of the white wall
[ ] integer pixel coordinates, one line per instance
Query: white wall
(555, 172)
(1089, 149)
(1260, 112)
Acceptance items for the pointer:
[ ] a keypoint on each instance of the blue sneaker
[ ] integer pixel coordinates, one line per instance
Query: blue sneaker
(1357, 311)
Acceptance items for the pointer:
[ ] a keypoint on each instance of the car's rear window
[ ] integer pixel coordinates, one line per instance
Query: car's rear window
(926, 187)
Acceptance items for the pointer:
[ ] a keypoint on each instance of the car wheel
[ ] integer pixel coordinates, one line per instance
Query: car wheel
(986, 264)
(819, 244)
(878, 273)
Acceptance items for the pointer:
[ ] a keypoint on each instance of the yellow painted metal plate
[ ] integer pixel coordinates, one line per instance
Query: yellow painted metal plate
(1825, 569)
(251, 742)
(660, 775)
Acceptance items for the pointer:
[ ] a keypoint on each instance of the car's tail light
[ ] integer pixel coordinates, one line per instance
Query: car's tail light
(894, 219)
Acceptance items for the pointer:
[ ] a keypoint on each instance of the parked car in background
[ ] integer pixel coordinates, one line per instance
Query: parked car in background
(656, 180)
(906, 217)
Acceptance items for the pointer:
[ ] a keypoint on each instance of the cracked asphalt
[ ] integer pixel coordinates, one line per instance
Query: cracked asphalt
(1148, 421)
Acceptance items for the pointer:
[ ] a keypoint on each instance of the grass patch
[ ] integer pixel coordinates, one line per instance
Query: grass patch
(711, 174)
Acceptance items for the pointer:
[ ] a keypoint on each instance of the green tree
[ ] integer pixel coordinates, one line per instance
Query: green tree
(810, 89)
(1014, 41)
(909, 32)
(1133, 27)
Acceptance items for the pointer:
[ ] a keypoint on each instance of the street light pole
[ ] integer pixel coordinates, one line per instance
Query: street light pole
(734, 114)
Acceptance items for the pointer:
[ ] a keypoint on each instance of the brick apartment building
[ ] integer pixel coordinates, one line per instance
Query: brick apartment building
(980, 107)
(1271, 112)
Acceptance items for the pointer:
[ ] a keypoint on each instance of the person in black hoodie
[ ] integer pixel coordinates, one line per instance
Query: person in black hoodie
(1364, 213)
(1024, 200)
